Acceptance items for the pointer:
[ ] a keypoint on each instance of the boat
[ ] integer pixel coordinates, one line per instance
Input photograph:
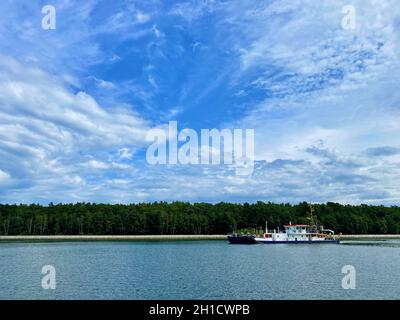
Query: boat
(299, 233)
(242, 238)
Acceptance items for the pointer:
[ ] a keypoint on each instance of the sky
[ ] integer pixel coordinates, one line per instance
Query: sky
(77, 102)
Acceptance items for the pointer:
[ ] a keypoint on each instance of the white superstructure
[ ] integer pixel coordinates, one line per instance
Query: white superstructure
(297, 233)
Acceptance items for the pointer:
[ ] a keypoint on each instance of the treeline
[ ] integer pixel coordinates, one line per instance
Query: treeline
(188, 218)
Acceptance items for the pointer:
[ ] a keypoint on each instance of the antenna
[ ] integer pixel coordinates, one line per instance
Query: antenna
(313, 217)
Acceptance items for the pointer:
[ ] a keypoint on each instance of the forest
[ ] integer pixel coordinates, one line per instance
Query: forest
(189, 218)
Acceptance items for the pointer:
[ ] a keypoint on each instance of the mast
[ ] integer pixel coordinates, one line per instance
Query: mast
(312, 218)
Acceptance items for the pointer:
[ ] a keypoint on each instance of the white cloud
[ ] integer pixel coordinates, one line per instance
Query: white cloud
(4, 177)
(327, 104)
(323, 85)
(46, 131)
(95, 164)
(142, 17)
(125, 153)
(192, 10)
(103, 84)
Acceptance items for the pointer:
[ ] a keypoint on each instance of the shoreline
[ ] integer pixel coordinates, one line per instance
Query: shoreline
(115, 237)
(369, 236)
(166, 237)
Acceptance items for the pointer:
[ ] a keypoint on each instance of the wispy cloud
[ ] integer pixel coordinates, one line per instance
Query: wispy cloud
(75, 102)
(46, 131)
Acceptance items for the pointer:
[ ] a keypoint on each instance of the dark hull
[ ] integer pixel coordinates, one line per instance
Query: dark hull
(242, 239)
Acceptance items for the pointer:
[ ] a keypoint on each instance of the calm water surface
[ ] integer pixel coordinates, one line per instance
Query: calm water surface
(199, 270)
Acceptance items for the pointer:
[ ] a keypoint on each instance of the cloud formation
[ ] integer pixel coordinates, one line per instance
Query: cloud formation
(76, 102)
(48, 133)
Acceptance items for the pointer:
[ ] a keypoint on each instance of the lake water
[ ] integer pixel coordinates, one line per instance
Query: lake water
(199, 270)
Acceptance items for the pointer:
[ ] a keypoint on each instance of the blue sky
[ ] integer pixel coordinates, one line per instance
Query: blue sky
(76, 102)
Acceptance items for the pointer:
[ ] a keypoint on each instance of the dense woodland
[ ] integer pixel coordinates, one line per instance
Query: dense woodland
(188, 218)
